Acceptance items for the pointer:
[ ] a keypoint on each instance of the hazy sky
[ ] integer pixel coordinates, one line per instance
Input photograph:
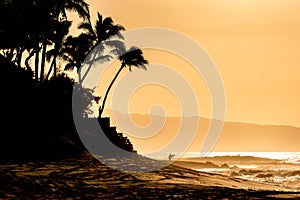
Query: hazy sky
(255, 44)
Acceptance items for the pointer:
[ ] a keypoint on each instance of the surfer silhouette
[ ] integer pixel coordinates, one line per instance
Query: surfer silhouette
(171, 156)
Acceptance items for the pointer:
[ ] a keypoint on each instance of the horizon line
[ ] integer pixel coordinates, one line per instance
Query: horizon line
(225, 121)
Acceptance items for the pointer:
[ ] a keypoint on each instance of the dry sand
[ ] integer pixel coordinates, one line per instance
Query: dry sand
(87, 178)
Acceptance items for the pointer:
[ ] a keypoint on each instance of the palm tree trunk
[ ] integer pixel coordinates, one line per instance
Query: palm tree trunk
(79, 75)
(108, 89)
(27, 60)
(43, 61)
(54, 67)
(90, 66)
(36, 70)
(18, 59)
(50, 69)
(10, 54)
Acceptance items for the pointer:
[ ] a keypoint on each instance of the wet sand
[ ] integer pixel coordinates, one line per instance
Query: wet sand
(87, 178)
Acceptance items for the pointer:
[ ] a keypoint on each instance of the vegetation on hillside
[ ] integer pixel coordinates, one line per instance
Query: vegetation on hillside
(36, 48)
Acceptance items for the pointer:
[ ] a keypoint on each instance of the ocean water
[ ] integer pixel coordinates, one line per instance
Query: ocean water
(293, 157)
(276, 168)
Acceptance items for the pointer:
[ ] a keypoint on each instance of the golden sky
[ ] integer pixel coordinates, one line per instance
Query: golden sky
(254, 43)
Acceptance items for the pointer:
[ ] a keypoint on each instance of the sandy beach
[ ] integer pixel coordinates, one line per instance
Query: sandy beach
(86, 177)
(123, 81)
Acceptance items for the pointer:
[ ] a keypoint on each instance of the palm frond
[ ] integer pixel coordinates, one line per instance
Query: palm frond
(134, 57)
(115, 31)
(66, 58)
(102, 59)
(50, 53)
(105, 28)
(118, 47)
(87, 27)
(79, 6)
(70, 66)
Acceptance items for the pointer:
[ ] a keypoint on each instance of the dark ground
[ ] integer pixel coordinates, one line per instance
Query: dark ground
(89, 179)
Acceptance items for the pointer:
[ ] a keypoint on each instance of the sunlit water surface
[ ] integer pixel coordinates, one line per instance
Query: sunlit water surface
(283, 169)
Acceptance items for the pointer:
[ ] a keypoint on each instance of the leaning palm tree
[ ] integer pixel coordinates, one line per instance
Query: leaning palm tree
(105, 34)
(132, 58)
(104, 29)
(74, 52)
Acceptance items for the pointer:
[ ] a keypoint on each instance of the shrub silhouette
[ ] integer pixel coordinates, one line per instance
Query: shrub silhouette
(38, 121)
(37, 117)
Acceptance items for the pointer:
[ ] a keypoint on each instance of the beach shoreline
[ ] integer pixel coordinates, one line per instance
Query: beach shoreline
(86, 177)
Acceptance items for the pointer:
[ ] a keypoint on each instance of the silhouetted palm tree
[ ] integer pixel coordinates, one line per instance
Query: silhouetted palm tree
(104, 29)
(102, 35)
(58, 13)
(76, 49)
(59, 32)
(14, 29)
(79, 6)
(74, 52)
(27, 24)
(132, 58)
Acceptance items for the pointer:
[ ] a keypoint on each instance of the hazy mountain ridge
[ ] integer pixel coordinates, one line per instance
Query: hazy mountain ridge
(204, 118)
(235, 136)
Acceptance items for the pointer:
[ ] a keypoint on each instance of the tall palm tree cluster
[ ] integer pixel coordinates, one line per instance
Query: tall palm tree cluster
(37, 28)
(37, 33)
(35, 44)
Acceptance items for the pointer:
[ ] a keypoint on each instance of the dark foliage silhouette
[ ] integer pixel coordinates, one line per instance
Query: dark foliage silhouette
(30, 25)
(38, 119)
(37, 104)
(60, 31)
(105, 34)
